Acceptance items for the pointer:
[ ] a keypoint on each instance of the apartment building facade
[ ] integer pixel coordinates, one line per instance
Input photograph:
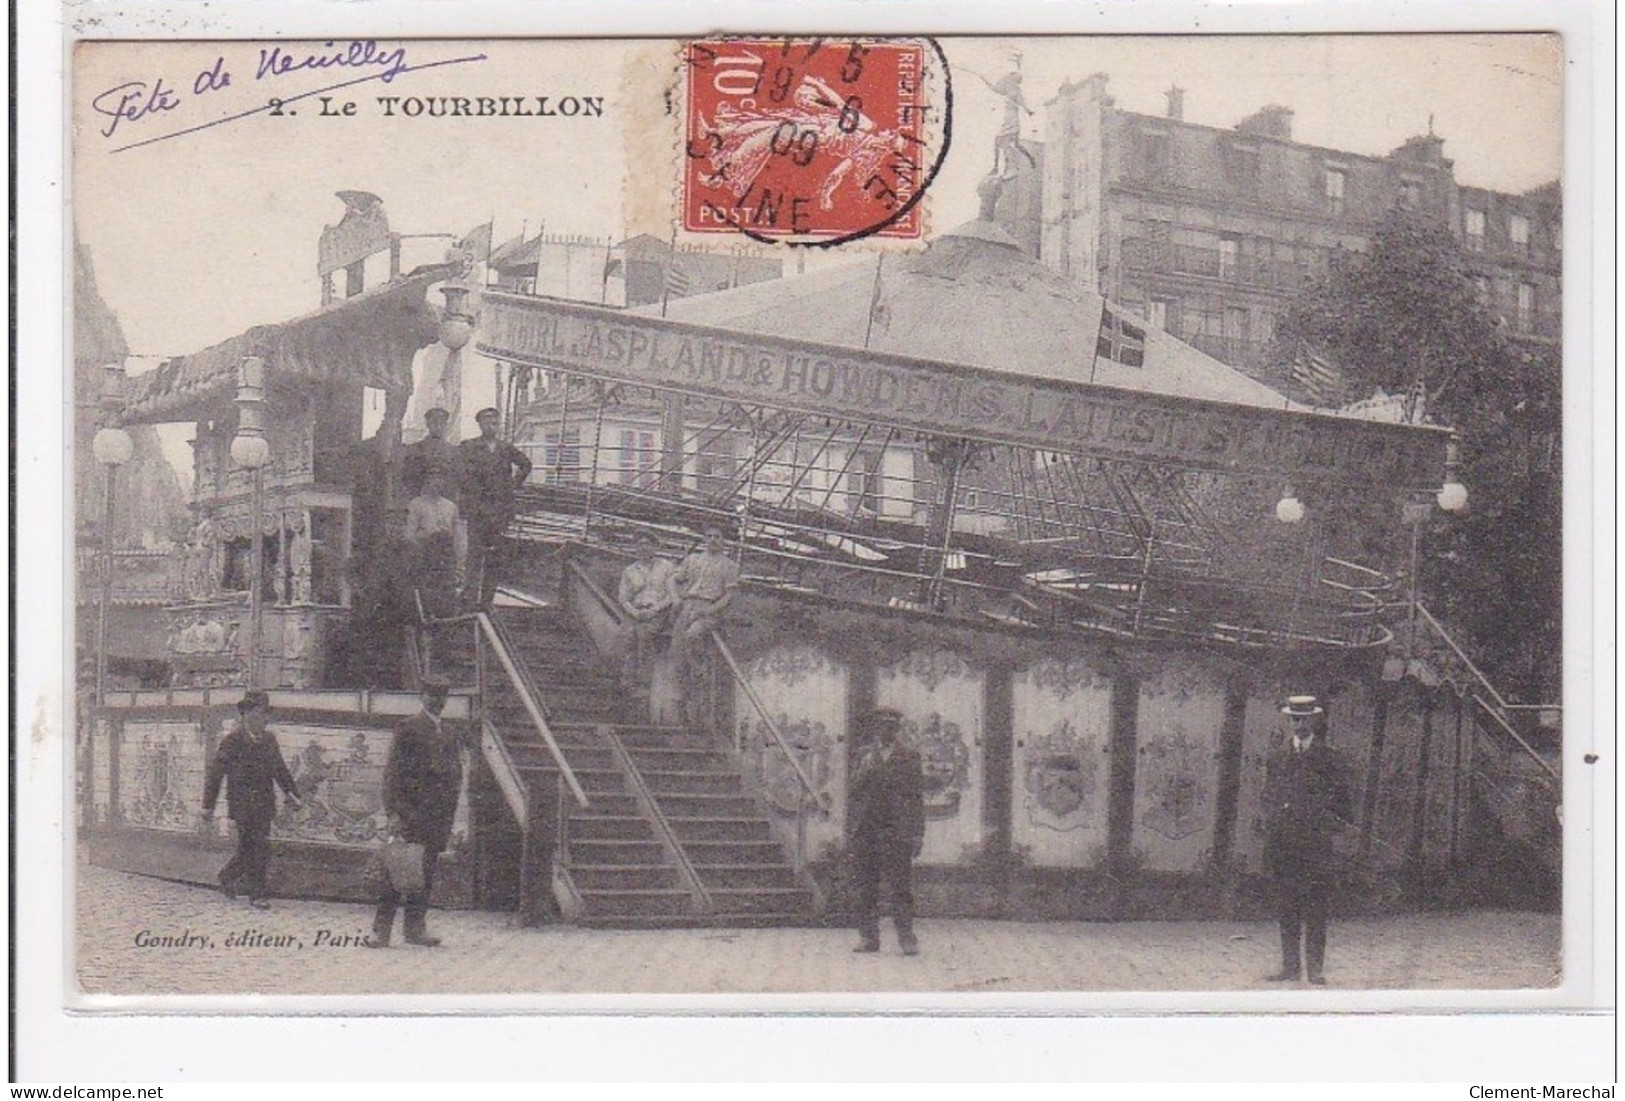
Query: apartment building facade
(1210, 233)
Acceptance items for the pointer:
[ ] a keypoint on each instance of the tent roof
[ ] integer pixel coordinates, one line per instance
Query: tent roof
(973, 298)
(370, 339)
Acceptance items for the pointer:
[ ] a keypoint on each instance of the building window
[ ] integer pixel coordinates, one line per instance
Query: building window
(864, 483)
(1526, 308)
(1336, 190)
(716, 468)
(1481, 290)
(1159, 311)
(1518, 230)
(1229, 257)
(1241, 165)
(1236, 334)
(640, 458)
(1154, 152)
(1410, 194)
(563, 463)
(1475, 230)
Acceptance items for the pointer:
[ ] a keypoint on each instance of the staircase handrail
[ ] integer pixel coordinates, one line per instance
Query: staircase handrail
(657, 818)
(1495, 705)
(814, 797)
(495, 752)
(1528, 749)
(598, 594)
(519, 677)
(1484, 682)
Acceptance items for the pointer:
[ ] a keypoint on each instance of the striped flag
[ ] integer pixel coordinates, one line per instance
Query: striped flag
(676, 279)
(1320, 378)
(1120, 341)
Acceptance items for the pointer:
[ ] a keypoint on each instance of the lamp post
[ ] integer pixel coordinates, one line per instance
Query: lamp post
(1451, 497)
(112, 448)
(250, 451)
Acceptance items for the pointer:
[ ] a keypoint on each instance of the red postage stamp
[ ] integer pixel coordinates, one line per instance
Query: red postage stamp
(814, 141)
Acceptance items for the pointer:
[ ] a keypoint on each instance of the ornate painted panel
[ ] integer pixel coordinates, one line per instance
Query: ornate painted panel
(1438, 814)
(1263, 731)
(1181, 713)
(340, 773)
(1062, 724)
(161, 767)
(1397, 773)
(805, 692)
(942, 701)
(100, 752)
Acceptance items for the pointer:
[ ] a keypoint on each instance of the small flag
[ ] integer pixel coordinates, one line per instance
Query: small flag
(1416, 402)
(676, 279)
(1120, 341)
(1320, 378)
(611, 266)
(476, 243)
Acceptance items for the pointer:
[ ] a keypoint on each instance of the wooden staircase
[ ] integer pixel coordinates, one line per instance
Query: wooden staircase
(670, 835)
(725, 837)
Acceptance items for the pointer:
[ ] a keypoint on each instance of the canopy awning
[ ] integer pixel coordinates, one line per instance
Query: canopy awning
(369, 339)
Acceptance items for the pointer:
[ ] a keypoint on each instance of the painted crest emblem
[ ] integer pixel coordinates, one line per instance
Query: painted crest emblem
(1060, 778)
(945, 760)
(813, 748)
(1176, 788)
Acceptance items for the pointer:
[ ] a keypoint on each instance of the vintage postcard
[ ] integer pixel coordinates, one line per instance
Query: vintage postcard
(830, 522)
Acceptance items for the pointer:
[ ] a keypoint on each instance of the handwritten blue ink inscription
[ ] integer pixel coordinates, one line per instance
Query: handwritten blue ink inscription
(274, 62)
(132, 102)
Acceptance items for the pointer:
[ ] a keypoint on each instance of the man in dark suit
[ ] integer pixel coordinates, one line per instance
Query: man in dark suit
(250, 763)
(888, 829)
(423, 778)
(1306, 800)
(490, 470)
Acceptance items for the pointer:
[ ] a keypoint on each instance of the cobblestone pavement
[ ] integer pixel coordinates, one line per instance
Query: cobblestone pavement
(302, 947)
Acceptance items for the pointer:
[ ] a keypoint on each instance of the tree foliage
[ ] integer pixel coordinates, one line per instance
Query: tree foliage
(1404, 313)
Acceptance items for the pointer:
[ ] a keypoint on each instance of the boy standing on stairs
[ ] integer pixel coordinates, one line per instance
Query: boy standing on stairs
(888, 816)
(704, 584)
(646, 595)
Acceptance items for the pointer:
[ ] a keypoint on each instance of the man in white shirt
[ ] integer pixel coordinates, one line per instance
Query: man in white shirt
(704, 583)
(646, 595)
(431, 530)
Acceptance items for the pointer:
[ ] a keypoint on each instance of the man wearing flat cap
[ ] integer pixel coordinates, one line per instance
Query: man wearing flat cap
(423, 778)
(250, 764)
(1306, 800)
(888, 829)
(491, 469)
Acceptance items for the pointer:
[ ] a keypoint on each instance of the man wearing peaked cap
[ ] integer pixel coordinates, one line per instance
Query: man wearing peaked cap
(491, 471)
(888, 828)
(423, 778)
(1306, 800)
(250, 764)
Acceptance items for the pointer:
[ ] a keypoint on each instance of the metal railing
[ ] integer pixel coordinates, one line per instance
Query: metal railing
(667, 836)
(1484, 693)
(493, 635)
(811, 797)
(544, 821)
